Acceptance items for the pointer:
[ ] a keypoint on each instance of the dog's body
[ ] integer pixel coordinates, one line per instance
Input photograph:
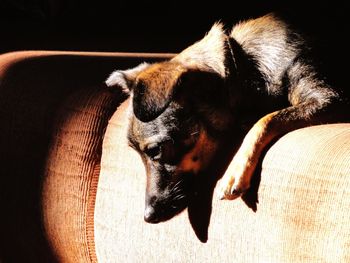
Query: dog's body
(258, 77)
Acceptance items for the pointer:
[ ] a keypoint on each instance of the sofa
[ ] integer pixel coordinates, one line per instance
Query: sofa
(72, 190)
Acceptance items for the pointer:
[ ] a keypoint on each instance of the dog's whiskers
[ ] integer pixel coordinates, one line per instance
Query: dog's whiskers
(178, 197)
(194, 133)
(177, 187)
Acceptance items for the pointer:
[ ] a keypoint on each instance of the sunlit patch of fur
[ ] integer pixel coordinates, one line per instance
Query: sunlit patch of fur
(199, 156)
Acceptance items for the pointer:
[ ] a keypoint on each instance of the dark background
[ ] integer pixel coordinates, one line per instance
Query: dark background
(152, 26)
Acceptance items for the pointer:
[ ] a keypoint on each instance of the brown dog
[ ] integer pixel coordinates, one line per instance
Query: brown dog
(259, 76)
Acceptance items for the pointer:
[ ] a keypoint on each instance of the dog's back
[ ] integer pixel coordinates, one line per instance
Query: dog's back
(272, 44)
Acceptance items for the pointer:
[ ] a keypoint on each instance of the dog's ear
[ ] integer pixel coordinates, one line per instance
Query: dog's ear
(125, 79)
(154, 89)
(208, 54)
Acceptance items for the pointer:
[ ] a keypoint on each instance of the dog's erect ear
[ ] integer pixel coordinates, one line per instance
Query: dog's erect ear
(125, 78)
(209, 54)
(154, 89)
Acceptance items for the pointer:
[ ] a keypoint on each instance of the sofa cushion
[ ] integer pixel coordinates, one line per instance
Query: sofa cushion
(302, 211)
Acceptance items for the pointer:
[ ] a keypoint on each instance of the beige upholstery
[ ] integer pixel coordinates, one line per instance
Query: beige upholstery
(302, 214)
(69, 193)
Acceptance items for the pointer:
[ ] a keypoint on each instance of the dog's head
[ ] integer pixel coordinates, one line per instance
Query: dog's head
(181, 108)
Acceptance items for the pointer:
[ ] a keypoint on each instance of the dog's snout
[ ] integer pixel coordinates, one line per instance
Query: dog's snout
(150, 215)
(163, 204)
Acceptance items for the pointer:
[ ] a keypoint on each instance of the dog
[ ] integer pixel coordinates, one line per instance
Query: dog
(258, 78)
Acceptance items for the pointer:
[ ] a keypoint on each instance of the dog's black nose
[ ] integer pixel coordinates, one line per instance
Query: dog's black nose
(150, 215)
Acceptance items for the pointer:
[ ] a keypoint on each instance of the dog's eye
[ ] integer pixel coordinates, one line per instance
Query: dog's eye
(153, 152)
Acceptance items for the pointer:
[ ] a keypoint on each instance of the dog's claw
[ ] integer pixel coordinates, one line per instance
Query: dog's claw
(236, 192)
(222, 196)
(231, 196)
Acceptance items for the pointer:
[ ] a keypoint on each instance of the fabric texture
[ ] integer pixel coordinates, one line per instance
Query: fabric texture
(302, 214)
(72, 171)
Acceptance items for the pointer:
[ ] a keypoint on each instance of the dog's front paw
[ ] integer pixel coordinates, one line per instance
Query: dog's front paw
(229, 189)
(236, 179)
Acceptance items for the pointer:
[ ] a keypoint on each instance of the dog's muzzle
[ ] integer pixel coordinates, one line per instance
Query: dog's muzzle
(167, 199)
(157, 214)
(161, 210)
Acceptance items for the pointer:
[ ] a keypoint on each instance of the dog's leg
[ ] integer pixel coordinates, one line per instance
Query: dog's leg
(236, 179)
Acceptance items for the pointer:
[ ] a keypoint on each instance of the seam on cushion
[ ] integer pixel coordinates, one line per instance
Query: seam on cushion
(90, 213)
(90, 234)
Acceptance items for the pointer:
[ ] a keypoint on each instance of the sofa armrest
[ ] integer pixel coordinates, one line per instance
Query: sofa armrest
(54, 110)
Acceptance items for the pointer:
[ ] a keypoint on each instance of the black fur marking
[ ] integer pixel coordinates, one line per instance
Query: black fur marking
(145, 107)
